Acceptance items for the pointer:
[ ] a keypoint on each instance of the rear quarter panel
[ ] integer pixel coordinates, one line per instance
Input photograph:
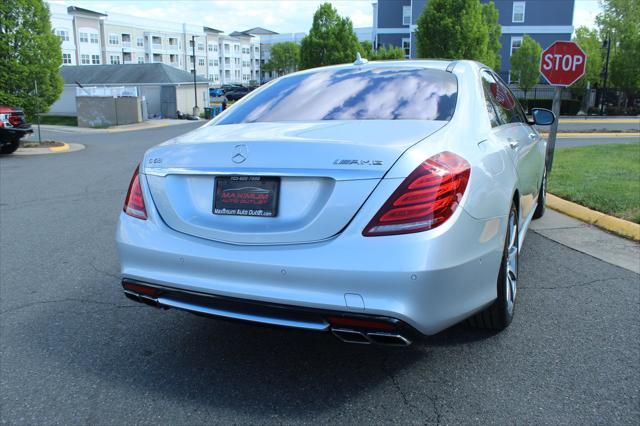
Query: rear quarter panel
(469, 134)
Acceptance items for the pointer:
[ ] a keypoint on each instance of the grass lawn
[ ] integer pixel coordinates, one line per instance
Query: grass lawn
(62, 120)
(605, 178)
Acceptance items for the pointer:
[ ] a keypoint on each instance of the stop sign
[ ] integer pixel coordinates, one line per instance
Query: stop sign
(562, 63)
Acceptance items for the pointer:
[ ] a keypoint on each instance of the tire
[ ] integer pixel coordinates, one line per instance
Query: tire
(10, 147)
(542, 197)
(498, 316)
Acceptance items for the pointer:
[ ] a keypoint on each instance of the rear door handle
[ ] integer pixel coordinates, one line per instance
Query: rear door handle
(513, 143)
(533, 136)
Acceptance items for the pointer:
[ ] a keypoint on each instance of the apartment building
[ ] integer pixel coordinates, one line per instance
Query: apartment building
(394, 23)
(95, 38)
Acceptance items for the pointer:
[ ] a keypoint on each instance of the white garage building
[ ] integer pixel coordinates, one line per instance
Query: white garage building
(163, 89)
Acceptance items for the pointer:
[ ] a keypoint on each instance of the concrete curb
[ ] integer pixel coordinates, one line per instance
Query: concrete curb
(561, 135)
(618, 226)
(66, 147)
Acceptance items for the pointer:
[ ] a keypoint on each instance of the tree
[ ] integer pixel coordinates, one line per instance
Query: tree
(30, 53)
(589, 41)
(331, 40)
(525, 64)
(490, 14)
(459, 29)
(285, 58)
(620, 22)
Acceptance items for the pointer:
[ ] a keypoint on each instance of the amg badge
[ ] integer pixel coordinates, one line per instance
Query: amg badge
(344, 162)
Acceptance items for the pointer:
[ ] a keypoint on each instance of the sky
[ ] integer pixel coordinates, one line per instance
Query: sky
(282, 16)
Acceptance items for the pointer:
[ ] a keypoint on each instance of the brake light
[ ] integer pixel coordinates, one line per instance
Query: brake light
(134, 203)
(425, 199)
(15, 120)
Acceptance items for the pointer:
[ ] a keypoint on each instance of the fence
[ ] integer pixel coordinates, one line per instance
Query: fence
(119, 91)
(539, 92)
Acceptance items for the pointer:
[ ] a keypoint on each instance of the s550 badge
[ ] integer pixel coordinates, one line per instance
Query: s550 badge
(345, 162)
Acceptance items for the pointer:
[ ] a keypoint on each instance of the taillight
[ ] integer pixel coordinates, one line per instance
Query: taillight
(425, 199)
(15, 120)
(134, 203)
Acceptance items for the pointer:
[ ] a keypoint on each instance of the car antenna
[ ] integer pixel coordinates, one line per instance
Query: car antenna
(359, 60)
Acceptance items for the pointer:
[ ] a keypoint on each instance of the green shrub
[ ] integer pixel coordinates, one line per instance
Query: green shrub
(567, 107)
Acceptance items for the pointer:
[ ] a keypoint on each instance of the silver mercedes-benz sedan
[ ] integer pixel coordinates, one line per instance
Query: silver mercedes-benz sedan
(378, 201)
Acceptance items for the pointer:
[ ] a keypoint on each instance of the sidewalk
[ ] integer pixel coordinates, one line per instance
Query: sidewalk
(149, 124)
(589, 239)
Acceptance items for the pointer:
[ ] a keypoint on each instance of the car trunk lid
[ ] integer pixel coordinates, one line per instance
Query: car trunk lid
(326, 169)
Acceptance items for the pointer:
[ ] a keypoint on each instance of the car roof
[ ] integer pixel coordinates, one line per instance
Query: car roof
(435, 64)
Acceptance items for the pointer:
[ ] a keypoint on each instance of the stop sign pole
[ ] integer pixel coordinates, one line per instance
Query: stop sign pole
(561, 64)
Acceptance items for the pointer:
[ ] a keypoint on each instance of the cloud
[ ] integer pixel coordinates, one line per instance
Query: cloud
(283, 16)
(585, 13)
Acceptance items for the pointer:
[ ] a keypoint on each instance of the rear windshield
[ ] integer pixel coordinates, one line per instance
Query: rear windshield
(352, 94)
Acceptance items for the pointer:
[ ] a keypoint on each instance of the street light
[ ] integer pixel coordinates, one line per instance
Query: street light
(605, 44)
(195, 90)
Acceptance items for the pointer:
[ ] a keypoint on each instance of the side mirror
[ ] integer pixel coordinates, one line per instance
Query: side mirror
(542, 116)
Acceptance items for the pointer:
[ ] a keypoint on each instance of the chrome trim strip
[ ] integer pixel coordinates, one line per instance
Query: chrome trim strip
(335, 174)
(164, 301)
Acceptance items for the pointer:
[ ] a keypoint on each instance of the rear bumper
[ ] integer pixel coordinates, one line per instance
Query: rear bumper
(8, 134)
(353, 328)
(429, 280)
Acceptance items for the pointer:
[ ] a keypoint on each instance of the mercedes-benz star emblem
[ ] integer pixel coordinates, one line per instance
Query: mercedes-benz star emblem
(240, 153)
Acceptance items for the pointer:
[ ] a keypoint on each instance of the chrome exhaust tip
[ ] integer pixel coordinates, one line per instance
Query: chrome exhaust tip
(351, 336)
(388, 339)
(365, 338)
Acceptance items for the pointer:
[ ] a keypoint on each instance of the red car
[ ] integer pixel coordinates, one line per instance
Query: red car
(13, 127)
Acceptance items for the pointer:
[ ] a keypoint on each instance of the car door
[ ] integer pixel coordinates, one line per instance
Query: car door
(520, 141)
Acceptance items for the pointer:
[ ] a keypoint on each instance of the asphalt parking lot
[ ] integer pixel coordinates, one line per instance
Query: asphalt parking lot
(74, 350)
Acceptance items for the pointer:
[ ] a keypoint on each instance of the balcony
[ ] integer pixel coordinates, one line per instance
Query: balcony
(156, 46)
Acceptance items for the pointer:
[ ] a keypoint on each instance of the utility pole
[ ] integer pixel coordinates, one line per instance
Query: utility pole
(35, 82)
(603, 98)
(195, 90)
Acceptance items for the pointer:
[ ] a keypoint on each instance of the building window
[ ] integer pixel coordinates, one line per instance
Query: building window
(95, 59)
(66, 58)
(200, 46)
(114, 59)
(518, 11)
(84, 37)
(210, 62)
(215, 47)
(406, 46)
(140, 42)
(227, 61)
(140, 60)
(201, 62)
(215, 62)
(94, 38)
(406, 15)
(236, 47)
(516, 42)
(85, 60)
(210, 47)
(114, 39)
(226, 47)
(227, 74)
(63, 34)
